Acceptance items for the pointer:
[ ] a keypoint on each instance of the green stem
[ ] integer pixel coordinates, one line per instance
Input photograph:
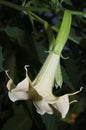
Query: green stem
(71, 38)
(37, 17)
(78, 13)
(12, 5)
(38, 9)
(23, 8)
(63, 33)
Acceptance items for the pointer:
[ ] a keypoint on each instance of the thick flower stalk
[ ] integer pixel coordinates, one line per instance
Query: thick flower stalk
(40, 90)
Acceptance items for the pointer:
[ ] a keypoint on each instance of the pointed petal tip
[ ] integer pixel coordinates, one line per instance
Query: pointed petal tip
(26, 66)
(70, 94)
(6, 71)
(81, 88)
(64, 115)
(73, 101)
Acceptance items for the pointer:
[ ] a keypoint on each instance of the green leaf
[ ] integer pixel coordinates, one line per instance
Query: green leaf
(1, 59)
(75, 37)
(66, 78)
(72, 71)
(67, 2)
(40, 52)
(40, 46)
(50, 35)
(15, 33)
(55, 2)
(50, 122)
(10, 61)
(20, 120)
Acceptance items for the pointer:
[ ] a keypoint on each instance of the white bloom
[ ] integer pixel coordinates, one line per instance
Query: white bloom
(44, 81)
(61, 104)
(43, 84)
(40, 90)
(19, 92)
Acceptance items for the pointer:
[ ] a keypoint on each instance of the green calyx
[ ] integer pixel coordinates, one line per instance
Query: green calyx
(63, 33)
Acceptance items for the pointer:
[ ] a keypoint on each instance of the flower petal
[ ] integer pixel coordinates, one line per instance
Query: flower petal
(44, 81)
(43, 107)
(10, 84)
(62, 105)
(58, 77)
(23, 85)
(14, 96)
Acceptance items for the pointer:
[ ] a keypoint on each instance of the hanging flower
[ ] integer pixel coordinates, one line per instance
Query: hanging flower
(40, 90)
(44, 83)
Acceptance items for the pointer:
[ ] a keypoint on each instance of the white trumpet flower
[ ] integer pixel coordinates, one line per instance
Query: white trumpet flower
(46, 77)
(20, 91)
(40, 90)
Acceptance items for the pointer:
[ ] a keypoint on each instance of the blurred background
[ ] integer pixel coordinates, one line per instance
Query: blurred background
(24, 41)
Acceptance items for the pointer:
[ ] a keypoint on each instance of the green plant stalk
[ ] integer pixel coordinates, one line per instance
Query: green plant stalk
(78, 13)
(37, 17)
(71, 38)
(12, 5)
(63, 33)
(22, 8)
